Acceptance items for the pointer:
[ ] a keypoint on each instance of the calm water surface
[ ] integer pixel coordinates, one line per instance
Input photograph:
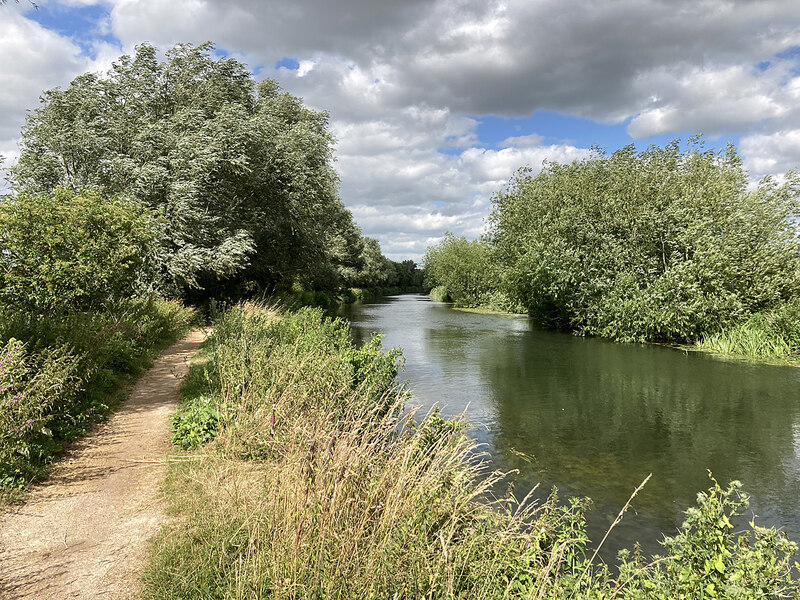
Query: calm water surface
(597, 417)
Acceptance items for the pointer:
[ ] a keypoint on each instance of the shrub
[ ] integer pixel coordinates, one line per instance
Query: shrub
(72, 251)
(34, 388)
(466, 270)
(709, 559)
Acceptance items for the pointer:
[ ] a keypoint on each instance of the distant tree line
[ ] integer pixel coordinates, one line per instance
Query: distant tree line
(661, 245)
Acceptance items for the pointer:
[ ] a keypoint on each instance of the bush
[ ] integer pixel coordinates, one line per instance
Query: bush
(72, 251)
(439, 294)
(59, 381)
(708, 559)
(34, 389)
(466, 270)
(660, 245)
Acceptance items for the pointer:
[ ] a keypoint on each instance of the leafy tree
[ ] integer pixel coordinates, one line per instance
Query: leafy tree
(73, 251)
(661, 245)
(374, 270)
(466, 269)
(240, 172)
(408, 275)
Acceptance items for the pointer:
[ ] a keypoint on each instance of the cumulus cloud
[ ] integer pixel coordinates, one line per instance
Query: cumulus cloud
(771, 154)
(507, 57)
(406, 83)
(36, 59)
(712, 100)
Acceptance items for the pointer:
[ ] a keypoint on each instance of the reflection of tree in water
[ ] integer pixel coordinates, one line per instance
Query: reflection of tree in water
(598, 417)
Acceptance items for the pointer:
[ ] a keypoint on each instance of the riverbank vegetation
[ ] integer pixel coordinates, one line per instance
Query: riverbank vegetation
(662, 245)
(76, 322)
(311, 482)
(156, 181)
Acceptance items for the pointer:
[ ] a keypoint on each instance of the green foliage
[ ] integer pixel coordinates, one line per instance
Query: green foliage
(660, 245)
(60, 380)
(34, 388)
(439, 294)
(313, 489)
(408, 275)
(196, 424)
(248, 354)
(774, 334)
(374, 270)
(709, 559)
(465, 269)
(69, 251)
(239, 172)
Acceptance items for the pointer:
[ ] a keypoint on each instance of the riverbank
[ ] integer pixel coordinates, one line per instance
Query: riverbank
(315, 484)
(751, 344)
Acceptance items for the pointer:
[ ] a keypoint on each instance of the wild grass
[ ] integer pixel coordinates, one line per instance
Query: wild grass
(60, 374)
(771, 335)
(319, 485)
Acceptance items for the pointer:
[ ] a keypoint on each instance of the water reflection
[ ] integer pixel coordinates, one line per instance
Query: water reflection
(597, 417)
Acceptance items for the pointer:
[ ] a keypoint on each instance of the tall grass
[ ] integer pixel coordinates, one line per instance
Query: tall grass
(58, 374)
(771, 335)
(318, 485)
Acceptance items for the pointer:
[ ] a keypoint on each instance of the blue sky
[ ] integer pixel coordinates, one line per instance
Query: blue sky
(435, 103)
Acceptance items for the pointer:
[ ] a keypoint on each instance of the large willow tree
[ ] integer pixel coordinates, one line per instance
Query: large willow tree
(239, 172)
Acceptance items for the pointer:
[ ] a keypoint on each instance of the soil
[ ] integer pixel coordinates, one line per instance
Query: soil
(84, 533)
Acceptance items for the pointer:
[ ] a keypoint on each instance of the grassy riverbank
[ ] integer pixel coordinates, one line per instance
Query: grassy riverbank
(311, 483)
(59, 374)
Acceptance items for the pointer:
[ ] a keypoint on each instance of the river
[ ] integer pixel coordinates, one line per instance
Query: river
(594, 418)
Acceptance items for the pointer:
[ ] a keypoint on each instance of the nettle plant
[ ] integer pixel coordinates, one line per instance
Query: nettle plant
(32, 388)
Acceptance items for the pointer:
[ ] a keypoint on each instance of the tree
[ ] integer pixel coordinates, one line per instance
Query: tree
(661, 245)
(465, 268)
(373, 270)
(240, 172)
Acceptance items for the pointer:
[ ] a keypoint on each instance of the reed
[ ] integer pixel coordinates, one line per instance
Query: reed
(772, 335)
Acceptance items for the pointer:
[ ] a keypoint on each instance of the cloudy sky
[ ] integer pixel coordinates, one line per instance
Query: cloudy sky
(435, 103)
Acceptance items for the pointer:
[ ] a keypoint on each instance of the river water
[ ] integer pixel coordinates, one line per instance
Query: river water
(594, 418)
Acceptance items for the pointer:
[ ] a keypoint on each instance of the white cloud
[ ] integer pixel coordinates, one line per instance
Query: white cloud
(35, 59)
(712, 100)
(404, 82)
(771, 154)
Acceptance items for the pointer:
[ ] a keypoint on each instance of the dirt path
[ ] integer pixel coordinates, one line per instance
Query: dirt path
(84, 533)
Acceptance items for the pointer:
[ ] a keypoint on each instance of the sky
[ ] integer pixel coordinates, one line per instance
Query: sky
(436, 103)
